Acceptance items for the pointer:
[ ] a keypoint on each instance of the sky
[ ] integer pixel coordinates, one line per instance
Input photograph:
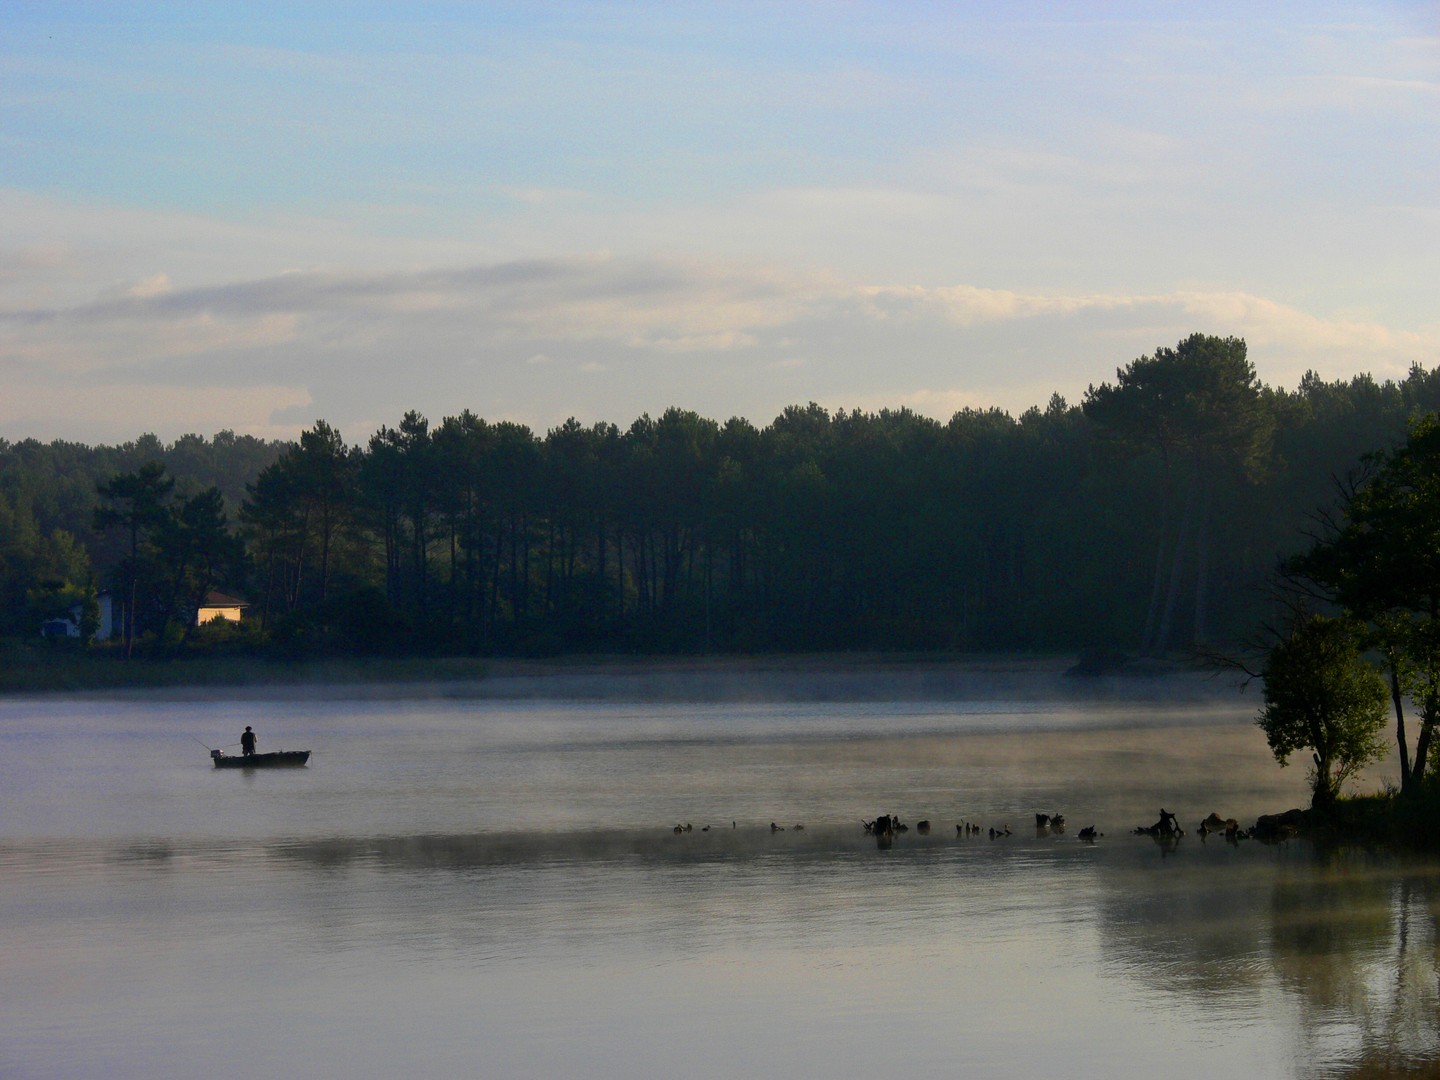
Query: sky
(253, 216)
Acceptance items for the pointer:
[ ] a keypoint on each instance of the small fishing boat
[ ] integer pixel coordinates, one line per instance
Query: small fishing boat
(278, 759)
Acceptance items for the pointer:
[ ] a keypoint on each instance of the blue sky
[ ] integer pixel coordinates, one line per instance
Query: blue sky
(252, 216)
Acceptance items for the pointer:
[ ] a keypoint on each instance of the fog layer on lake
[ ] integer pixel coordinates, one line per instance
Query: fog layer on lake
(491, 883)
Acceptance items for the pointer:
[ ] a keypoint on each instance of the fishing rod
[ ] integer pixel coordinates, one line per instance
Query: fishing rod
(207, 746)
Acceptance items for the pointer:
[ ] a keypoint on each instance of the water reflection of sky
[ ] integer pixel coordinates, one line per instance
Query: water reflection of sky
(1046, 960)
(439, 895)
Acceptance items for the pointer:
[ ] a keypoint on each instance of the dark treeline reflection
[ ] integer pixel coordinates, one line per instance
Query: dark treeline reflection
(1361, 946)
(1145, 518)
(1350, 936)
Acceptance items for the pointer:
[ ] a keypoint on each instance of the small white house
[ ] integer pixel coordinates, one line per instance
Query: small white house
(220, 606)
(68, 625)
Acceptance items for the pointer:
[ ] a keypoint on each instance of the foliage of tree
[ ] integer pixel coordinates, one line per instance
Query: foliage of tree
(196, 551)
(1199, 408)
(297, 516)
(178, 551)
(135, 502)
(1380, 560)
(1321, 696)
(1148, 518)
(35, 565)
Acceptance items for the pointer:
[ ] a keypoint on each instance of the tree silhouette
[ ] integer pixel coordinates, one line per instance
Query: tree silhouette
(195, 553)
(1381, 562)
(138, 504)
(1199, 408)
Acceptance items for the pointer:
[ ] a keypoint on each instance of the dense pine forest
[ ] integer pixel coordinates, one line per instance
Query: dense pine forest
(1147, 519)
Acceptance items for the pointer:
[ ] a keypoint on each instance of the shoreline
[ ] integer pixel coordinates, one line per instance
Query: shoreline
(30, 672)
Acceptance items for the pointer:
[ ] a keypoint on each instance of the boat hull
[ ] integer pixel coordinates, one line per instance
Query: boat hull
(281, 759)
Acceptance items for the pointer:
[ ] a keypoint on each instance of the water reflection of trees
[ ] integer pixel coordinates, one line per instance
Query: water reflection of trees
(1188, 927)
(1356, 942)
(1348, 938)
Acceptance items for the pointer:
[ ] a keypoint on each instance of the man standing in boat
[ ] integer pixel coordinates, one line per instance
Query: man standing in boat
(247, 742)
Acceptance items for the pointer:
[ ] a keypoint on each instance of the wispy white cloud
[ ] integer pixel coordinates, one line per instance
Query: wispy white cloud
(492, 338)
(1268, 324)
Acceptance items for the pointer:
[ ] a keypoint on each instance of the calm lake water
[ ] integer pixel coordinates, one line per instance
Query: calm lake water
(485, 881)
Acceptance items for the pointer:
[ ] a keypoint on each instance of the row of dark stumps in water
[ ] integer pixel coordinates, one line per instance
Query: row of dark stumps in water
(887, 826)
(1167, 830)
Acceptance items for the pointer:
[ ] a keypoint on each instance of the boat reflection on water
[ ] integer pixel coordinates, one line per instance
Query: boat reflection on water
(279, 759)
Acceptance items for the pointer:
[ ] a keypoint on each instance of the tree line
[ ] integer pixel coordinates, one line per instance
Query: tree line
(1147, 517)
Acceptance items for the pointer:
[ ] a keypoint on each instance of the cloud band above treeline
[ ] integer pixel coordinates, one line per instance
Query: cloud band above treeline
(625, 335)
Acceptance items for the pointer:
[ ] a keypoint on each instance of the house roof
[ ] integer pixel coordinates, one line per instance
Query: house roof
(220, 599)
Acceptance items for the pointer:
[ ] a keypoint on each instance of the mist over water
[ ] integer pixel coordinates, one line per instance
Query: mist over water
(486, 881)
